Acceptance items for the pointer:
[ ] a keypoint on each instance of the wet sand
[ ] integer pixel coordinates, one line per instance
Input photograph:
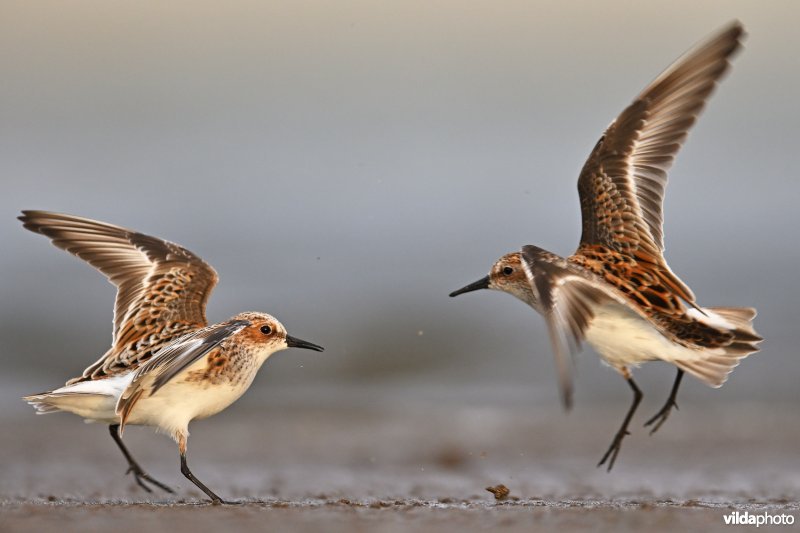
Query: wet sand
(312, 515)
(398, 461)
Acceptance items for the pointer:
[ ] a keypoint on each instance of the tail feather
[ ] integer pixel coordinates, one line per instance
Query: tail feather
(93, 400)
(741, 318)
(71, 401)
(716, 363)
(42, 403)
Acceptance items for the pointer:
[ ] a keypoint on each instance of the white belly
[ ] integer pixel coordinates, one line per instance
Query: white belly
(179, 402)
(623, 338)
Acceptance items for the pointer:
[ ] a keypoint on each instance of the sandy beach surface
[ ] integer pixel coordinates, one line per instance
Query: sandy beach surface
(399, 460)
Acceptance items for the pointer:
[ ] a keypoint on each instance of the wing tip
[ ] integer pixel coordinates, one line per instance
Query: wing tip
(27, 217)
(41, 221)
(735, 27)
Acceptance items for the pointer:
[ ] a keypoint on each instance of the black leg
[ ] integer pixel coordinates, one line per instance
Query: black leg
(133, 467)
(188, 473)
(662, 415)
(616, 444)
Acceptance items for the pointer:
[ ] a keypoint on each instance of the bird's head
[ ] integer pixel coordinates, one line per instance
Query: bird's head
(269, 336)
(507, 275)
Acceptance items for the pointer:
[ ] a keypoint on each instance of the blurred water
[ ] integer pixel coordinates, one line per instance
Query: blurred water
(346, 165)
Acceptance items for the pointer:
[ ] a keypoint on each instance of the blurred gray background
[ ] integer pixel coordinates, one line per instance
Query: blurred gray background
(345, 165)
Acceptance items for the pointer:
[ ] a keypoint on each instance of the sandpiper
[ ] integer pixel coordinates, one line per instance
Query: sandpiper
(616, 291)
(166, 365)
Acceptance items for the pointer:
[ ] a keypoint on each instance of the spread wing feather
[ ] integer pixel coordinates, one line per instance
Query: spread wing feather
(162, 288)
(622, 184)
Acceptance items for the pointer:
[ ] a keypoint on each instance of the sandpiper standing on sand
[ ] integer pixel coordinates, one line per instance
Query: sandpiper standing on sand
(616, 291)
(166, 366)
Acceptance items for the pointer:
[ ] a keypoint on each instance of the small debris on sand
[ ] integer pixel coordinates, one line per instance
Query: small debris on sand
(500, 492)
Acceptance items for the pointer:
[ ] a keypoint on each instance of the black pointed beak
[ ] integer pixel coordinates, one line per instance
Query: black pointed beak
(293, 342)
(482, 283)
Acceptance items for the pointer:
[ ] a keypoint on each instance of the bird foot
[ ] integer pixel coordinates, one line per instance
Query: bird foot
(611, 454)
(141, 477)
(220, 501)
(661, 416)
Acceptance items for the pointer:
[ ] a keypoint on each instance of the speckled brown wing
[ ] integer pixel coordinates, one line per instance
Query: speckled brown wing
(162, 288)
(622, 184)
(648, 292)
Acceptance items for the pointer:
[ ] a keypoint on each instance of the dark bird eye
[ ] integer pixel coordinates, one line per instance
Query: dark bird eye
(266, 330)
(508, 271)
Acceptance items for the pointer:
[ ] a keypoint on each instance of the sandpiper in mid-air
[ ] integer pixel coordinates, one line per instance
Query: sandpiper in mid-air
(166, 366)
(616, 291)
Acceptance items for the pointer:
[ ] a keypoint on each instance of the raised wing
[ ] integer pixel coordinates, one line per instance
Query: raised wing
(162, 288)
(566, 300)
(172, 360)
(622, 183)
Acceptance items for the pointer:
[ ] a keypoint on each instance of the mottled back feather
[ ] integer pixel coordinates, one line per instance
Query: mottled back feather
(173, 359)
